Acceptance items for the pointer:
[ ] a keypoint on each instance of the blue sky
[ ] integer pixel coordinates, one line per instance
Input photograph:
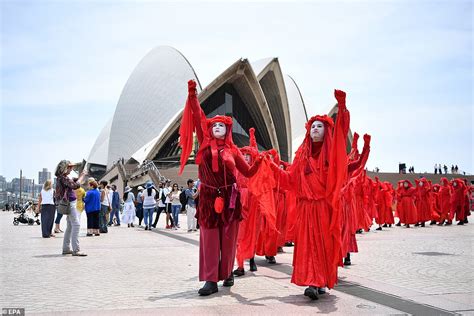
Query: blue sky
(406, 66)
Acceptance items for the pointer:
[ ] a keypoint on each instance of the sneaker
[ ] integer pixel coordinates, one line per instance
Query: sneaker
(67, 252)
(79, 254)
(146, 227)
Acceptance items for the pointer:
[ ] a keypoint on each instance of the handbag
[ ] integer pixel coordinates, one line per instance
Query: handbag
(64, 206)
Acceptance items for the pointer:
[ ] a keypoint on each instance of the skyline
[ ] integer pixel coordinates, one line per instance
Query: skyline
(408, 69)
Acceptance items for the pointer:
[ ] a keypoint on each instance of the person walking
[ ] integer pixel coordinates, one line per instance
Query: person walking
(191, 194)
(149, 204)
(128, 207)
(65, 188)
(105, 206)
(139, 205)
(175, 204)
(115, 206)
(160, 203)
(47, 208)
(92, 206)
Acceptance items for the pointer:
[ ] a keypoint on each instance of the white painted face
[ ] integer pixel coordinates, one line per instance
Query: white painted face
(218, 130)
(455, 184)
(420, 184)
(405, 184)
(247, 158)
(317, 131)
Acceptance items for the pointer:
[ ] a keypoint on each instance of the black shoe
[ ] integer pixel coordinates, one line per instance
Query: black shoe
(385, 225)
(399, 224)
(229, 281)
(280, 250)
(407, 225)
(208, 288)
(422, 224)
(239, 272)
(390, 225)
(461, 223)
(432, 222)
(154, 225)
(108, 225)
(270, 259)
(311, 292)
(321, 290)
(417, 224)
(449, 223)
(128, 225)
(347, 260)
(380, 228)
(146, 227)
(131, 225)
(118, 224)
(253, 265)
(359, 231)
(96, 234)
(289, 244)
(466, 221)
(89, 235)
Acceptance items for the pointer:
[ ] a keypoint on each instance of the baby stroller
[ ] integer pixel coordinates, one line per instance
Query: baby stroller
(24, 218)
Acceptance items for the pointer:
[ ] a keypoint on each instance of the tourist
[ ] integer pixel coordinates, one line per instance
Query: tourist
(175, 204)
(47, 208)
(161, 204)
(167, 191)
(93, 207)
(80, 194)
(65, 188)
(105, 207)
(149, 204)
(139, 205)
(57, 222)
(128, 216)
(191, 194)
(115, 198)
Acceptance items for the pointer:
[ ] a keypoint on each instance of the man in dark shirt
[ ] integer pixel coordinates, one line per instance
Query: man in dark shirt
(115, 206)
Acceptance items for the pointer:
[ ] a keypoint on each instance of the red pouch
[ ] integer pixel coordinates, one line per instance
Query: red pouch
(219, 204)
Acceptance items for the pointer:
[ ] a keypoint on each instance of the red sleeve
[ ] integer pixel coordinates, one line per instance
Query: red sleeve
(243, 167)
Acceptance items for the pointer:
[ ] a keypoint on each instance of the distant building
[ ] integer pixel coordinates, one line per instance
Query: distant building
(3, 183)
(43, 176)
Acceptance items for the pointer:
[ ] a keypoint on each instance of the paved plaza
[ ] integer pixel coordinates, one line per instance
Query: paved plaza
(130, 271)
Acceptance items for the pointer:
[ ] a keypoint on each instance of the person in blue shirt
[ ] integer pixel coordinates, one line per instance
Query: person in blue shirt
(92, 207)
(115, 206)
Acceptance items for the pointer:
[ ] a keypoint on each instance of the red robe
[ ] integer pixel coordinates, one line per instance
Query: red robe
(444, 197)
(422, 203)
(316, 178)
(458, 200)
(406, 202)
(435, 209)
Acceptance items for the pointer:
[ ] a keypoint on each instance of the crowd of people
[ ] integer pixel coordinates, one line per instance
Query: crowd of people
(439, 170)
(252, 203)
(249, 203)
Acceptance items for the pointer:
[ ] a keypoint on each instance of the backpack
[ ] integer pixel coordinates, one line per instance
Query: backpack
(183, 199)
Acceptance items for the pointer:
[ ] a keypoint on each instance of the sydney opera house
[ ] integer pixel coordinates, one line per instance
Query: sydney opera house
(140, 141)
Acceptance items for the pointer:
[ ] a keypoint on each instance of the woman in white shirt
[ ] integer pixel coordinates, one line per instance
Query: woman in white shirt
(149, 204)
(47, 209)
(128, 207)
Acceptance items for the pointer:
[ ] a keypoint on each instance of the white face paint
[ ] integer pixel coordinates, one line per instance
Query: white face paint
(405, 184)
(420, 184)
(455, 184)
(218, 130)
(247, 158)
(317, 131)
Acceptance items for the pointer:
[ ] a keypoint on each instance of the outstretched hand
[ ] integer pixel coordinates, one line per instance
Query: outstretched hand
(367, 139)
(340, 97)
(192, 86)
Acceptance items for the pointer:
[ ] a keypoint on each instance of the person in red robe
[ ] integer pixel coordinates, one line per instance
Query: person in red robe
(423, 203)
(467, 200)
(435, 204)
(389, 197)
(406, 198)
(316, 177)
(248, 229)
(219, 208)
(444, 198)
(362, 216)
(458, 200)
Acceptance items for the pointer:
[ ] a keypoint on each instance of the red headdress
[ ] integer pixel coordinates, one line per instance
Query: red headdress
(252, 148)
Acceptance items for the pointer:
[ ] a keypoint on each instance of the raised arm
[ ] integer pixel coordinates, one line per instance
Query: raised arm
(244, 168)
